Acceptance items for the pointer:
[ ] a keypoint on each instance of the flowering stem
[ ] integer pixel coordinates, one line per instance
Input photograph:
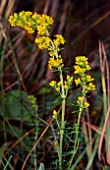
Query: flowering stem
(63, 96)
(76, 143)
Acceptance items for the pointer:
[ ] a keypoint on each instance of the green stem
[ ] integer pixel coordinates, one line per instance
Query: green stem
(63, 95)
(62, 132)
(76, 143)
(62, 119)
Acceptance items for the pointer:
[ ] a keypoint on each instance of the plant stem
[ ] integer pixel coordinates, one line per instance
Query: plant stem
(62, 119)
(62, 132)
(76, 143)
(63, 95)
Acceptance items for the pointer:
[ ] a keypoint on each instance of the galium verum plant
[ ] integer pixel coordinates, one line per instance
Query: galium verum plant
(41, 23)
(86, 82)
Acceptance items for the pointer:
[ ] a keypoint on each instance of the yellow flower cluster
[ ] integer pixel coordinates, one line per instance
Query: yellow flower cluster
(77, 81)
(58, 40)
(54, 48)
(69, 79)
(82, 61)
(44, 23)
(43, 42)
(34, 21)
(31, 22)
(85, 78)
(55, 59)
(55, 114)
(55, 62)
(80, 101)
(81, 67)
(90, 86)
(67, 83)
(57, 85)
(23, 20)
(53, 83)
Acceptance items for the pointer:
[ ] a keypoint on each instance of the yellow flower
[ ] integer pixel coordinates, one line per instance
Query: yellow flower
(80, 99)
(57, 89)
(82, 65)
(80, 60)
(52, 83)
(89, 78)
(52, 53)
(25, 13)
(56, 85)
(79, 70)
(66, 87)
(42, 29)
(55, 63)
(69, 79)
(30, 22)
(23, 20)
(55, 114)
(46, 19)
(86, 104)
(43, 42)
(59, 40)
(13, 21)
(77, 81)
(36, 16)
(59, 83)
(90, 86)
(43, 23)
(30, 30)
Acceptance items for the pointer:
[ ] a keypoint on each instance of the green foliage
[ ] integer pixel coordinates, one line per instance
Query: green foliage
(16, 106)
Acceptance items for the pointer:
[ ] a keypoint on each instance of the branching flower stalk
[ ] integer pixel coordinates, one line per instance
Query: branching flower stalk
(63, 96)
(77, 130)
(32, 22)
(85, 81)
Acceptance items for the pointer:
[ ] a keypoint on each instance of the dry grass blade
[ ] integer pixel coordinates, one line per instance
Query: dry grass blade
(47, 4)
(94, 24)
(21, 138)
(94, 128)
(63, 17)
(5, 11)
(2, 6)
(9, 8)
(102, 134)
(108, 75)
(108, 123)
(106, 126)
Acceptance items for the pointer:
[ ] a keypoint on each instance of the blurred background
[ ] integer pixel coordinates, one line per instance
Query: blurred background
(24, 68)
(82, 23)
